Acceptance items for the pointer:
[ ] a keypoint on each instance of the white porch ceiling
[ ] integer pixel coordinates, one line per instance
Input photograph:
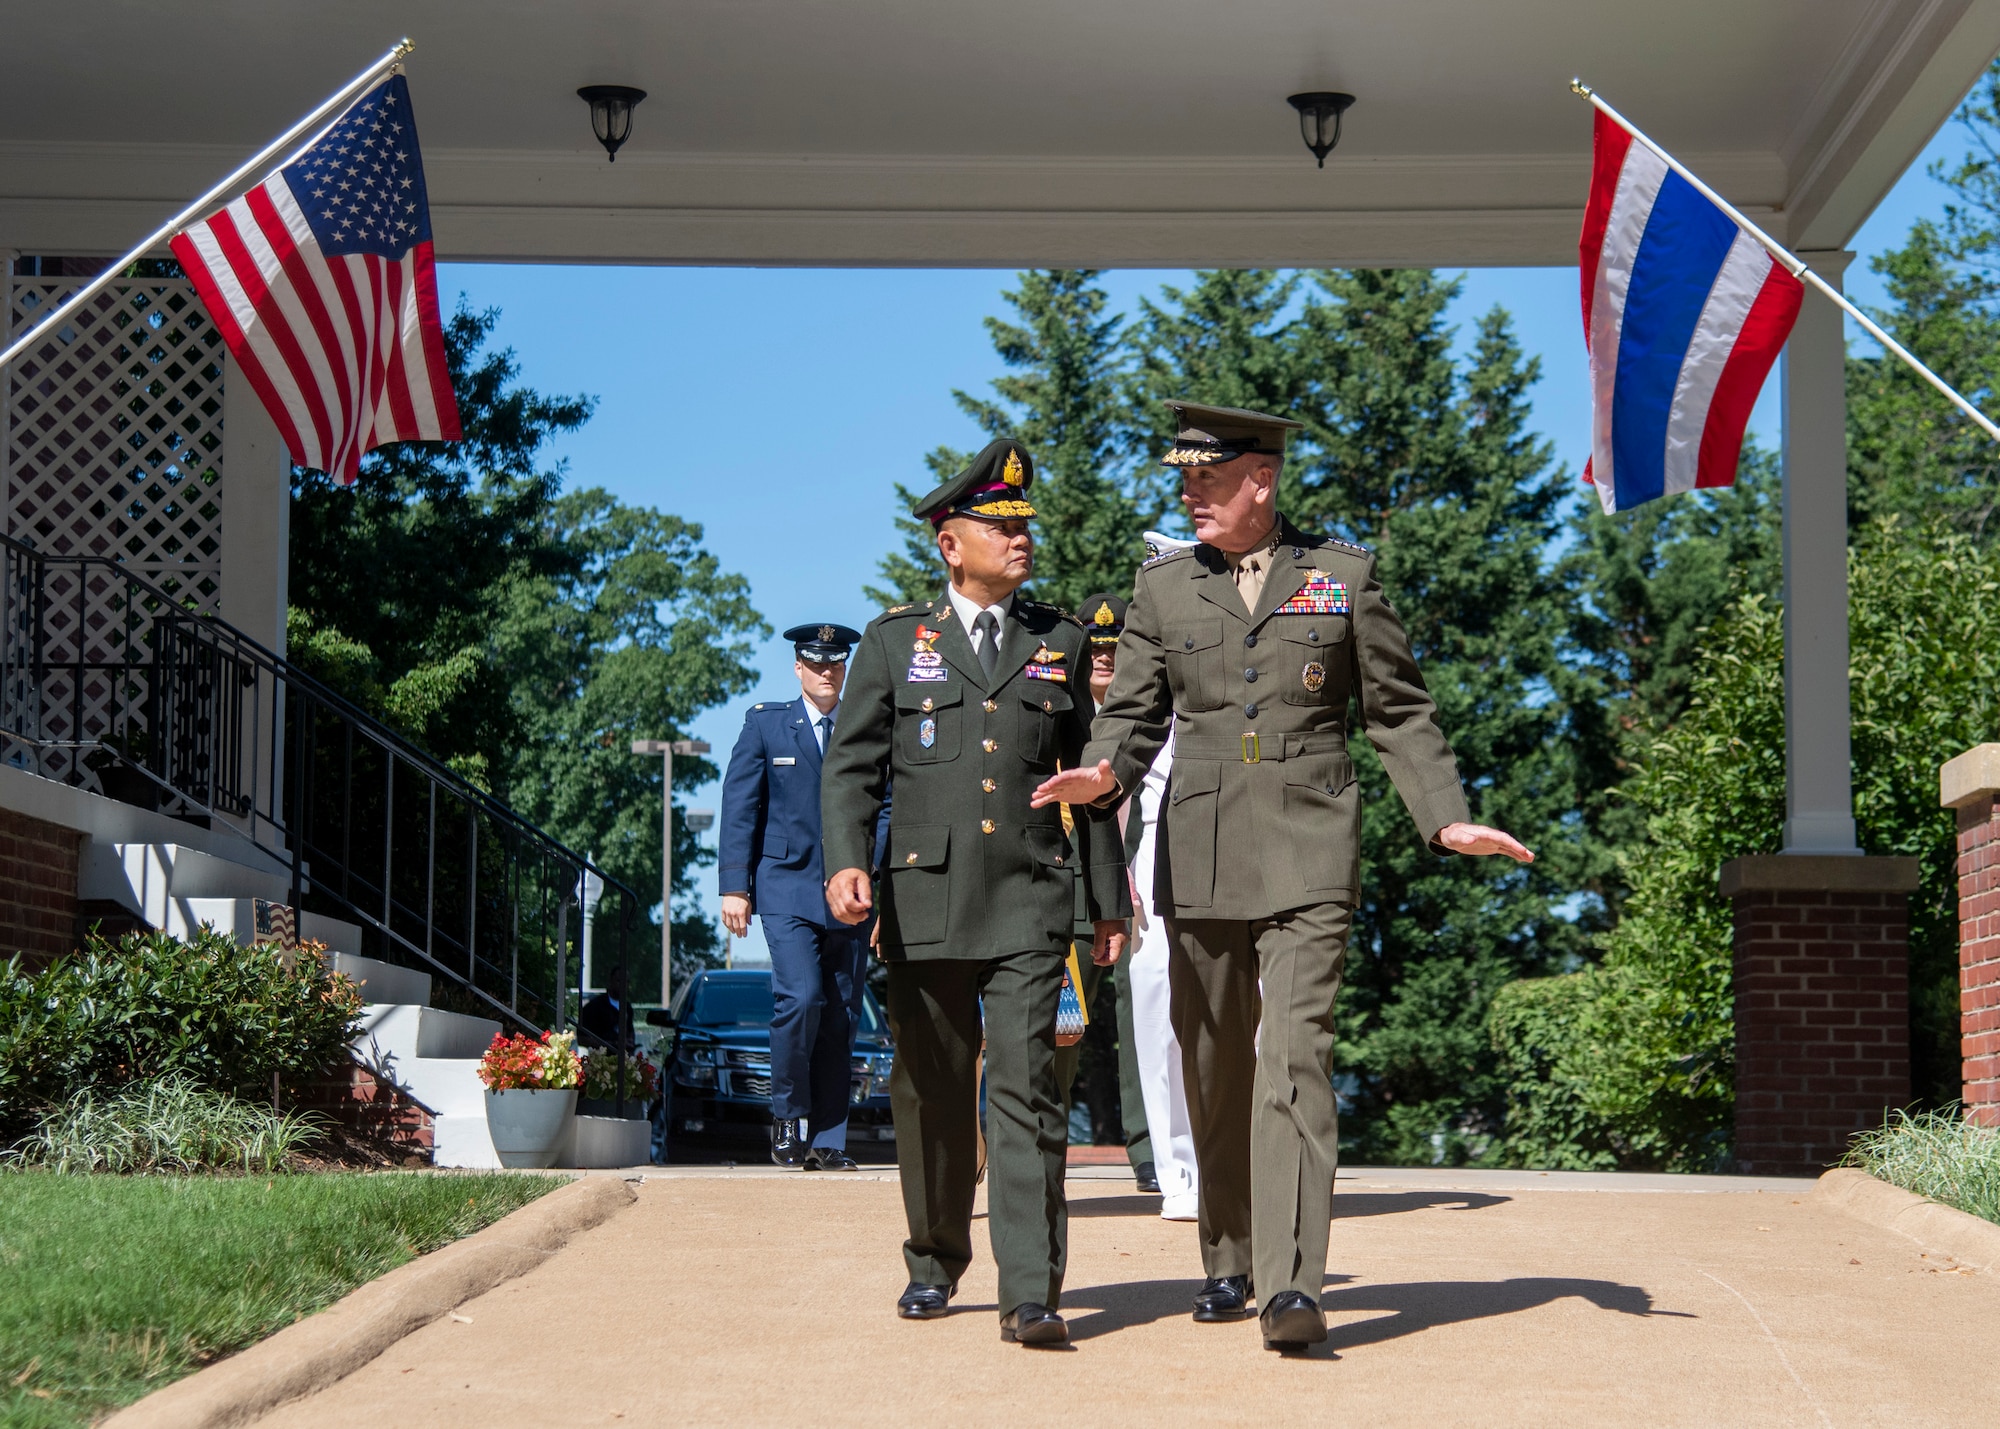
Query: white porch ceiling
(1062, 132)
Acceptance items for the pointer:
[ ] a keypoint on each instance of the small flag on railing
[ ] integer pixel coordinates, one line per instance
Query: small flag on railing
(322, 281)
(1683, 313)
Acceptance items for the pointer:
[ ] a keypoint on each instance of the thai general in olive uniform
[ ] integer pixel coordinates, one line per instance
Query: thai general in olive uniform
(967, 702)
(1257, 642)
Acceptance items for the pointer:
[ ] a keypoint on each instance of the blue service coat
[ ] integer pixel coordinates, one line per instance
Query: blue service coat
(769, 844)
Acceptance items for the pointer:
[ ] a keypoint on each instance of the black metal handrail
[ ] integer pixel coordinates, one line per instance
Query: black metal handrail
(109, 682)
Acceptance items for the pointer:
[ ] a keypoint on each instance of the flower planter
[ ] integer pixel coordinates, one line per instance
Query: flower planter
(528, 1126)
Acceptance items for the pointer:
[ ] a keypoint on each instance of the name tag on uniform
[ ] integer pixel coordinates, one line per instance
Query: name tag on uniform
(922, 674)
(788, 759)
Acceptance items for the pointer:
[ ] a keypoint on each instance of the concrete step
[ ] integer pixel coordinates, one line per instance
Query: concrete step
(384, 983)
(463, 1141)
(339, 937)
(410, 1032)
(603, 1141)
(157, 880)
(444, 1086)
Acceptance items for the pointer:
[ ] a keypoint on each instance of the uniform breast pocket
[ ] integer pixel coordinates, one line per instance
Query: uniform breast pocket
(1315, 651)
(928, 718)
(1194, 662)
(1044, 704)
(1323, 815)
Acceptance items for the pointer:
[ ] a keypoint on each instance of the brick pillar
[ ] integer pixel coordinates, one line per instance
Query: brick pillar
(1971, 785)
(37, 888)
(1822, 1004)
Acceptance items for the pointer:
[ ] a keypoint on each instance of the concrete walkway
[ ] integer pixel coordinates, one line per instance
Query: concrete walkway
(1499, 1298)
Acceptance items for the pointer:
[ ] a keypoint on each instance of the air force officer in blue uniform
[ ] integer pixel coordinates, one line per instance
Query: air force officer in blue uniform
(770, 866)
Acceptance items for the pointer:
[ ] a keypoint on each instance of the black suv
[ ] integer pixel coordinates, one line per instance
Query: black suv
(718, 1081)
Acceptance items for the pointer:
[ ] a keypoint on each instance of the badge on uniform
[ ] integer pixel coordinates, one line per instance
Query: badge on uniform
(922, 673)
(1313, 677)
(927, 731)
(1046, 656)
(1046, 672)
(1320, 595)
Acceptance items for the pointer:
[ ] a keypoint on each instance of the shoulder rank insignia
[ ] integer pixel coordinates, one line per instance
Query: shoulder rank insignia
(1320, 595)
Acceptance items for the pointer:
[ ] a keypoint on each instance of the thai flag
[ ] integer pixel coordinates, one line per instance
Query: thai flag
(1684, 313)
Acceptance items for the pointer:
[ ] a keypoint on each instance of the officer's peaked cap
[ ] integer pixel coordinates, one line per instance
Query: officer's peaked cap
(994, 487)
(823, 643)
(1206, 435)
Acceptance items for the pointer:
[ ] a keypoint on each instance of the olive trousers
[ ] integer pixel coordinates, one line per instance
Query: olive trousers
(934, 1009)
(1253, 1011)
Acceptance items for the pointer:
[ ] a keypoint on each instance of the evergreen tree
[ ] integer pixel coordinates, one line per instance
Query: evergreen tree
(1435, 469)
(522, 635)
(1224, 341)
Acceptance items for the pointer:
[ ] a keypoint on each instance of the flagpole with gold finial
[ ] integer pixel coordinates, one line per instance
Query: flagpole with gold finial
(194, 210)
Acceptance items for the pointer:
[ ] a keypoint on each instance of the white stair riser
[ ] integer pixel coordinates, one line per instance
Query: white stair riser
(446, 1086)
(146, 878)
(463, 1141)
(341, 937)
(407, 1032)
(384, 982)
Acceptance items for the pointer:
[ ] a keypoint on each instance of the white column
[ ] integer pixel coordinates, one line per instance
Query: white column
(256, 555)
(256, 515)
(1819, 793)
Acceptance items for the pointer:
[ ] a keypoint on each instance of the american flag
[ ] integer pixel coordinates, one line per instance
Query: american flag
(322, 281)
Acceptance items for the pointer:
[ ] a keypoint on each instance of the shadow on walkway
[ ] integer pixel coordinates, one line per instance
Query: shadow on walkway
(1397, 1310)
(1347, 1205)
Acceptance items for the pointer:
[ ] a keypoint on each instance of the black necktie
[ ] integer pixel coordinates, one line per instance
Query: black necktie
(988, 631)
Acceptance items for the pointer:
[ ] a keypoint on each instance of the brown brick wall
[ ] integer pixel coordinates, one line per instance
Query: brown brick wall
(37, 887)
(1979, 956)
(356, 1098)
(1822, 1023)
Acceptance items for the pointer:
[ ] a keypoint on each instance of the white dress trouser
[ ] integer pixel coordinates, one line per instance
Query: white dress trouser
(1160, 1076)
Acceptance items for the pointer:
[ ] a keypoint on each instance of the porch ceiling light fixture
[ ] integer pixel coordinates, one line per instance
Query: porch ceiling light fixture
(611, 107)
(1319, 119)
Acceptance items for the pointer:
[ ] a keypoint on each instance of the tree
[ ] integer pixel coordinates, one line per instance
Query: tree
(522, 635)
(1433, 466)
(1630, 1063)
(1062, 400)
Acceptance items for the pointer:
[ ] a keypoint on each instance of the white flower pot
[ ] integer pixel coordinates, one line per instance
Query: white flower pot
(528, 1127)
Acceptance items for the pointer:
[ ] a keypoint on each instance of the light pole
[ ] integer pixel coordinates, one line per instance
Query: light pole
(667, 749)
(699, 822)
(593, 894)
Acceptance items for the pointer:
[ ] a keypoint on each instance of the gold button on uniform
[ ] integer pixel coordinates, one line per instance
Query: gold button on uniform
(909, 858)
(927, 706)
(986, 826)
(989, 706)
(988, 785)
(1059, 862)
(989, 745)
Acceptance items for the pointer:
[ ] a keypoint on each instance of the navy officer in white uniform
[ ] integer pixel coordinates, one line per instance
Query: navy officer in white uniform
(770, 867)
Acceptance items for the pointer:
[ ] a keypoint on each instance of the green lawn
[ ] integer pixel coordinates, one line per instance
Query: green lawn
(111, 1286)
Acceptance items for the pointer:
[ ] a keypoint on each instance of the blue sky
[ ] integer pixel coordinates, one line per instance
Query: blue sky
(777, 406)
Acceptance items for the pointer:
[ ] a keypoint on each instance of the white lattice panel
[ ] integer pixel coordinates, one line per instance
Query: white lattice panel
(114, 432)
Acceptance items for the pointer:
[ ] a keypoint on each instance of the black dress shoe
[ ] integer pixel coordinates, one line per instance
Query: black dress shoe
(924, 1302)
(1222, 1298)
(788, 1147)
(1291, 1321)
(830, 1158)
(1033, 1324)
(1148, 1179)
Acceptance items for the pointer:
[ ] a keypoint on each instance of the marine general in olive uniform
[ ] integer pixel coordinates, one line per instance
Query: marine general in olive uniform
(1258, 642)
(967, 702)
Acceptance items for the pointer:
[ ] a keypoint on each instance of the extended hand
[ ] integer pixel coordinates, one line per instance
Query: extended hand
(736, 914)
(1478, 840)
(1108, 941)
(1075, 786)
(849, 896)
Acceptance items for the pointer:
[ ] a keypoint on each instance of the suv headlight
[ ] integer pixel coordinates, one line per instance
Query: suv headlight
(697, 1066)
